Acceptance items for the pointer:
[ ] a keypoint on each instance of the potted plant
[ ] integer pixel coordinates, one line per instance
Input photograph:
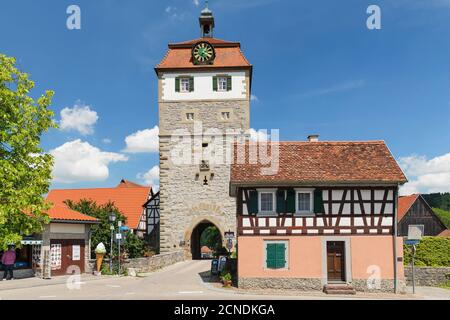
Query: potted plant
(100, 252)
(226, 280)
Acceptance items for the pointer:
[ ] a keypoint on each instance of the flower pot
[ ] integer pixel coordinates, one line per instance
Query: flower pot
(99, 260)
(227, 283)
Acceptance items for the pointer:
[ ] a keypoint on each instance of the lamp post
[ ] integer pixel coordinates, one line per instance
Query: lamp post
(119, 224)
(112, 219)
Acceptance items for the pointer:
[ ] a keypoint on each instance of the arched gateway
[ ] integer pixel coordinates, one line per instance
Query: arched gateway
(196, 238)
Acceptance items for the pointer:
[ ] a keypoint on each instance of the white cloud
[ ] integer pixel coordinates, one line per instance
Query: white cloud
(196, 2)
(79, 161)
(79, 118)
(254, 98)
(106, 141)
(151, 178)
(426, 175)
(143, 141)
(259, 135)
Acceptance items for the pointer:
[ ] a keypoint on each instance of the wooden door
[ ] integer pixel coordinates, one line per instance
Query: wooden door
(336, 260)
(67, 256)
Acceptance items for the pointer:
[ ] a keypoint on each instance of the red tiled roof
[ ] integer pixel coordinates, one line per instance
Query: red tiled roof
(445, 233)
(128, 184)
(128, 200)
(62, 212)
(228, 54)
(404, 204)
(205, 249)
(323, 162)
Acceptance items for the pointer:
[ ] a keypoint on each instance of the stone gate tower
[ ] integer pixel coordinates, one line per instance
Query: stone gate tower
(204, 99)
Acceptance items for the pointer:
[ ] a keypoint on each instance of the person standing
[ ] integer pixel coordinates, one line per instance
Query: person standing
(8, 260)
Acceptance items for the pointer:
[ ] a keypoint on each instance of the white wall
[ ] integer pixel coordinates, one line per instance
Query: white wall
(203, 87)
(67, 228)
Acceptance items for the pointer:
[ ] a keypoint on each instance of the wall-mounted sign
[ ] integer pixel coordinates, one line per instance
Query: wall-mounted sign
(415, 231)
(118, 236)
(229, 235)
(76, 253)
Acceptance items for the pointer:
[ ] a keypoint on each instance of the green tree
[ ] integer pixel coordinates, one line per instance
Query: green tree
(99, 232)
(211, 238)
(25, 170)
(133, 245)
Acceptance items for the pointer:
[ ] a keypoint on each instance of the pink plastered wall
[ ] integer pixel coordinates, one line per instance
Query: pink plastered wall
(305, 256)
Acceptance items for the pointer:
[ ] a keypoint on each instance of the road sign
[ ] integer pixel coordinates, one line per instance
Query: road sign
(230, 244)
(412, 242)
(229, 235)
(118, 236)
(215, 267)
(415, 231)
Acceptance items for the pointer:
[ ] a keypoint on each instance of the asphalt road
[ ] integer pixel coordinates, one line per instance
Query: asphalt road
(185, 280)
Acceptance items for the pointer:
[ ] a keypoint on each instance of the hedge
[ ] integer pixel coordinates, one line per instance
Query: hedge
(431, 252)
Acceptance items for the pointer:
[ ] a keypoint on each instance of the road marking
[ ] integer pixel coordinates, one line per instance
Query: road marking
(46, 297)
(113, 286)
(130, 293)
(190, 292)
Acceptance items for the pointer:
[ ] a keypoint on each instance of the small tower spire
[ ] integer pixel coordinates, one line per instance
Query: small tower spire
(206, 22)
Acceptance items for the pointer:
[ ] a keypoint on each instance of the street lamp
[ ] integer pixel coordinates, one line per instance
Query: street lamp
(112, 219)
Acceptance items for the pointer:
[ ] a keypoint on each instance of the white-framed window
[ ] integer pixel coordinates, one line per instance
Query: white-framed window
(226, 115)
(190, 116)
(267, 201)
(276, 255)
(304, 201)
(222, 83)
(184, 85)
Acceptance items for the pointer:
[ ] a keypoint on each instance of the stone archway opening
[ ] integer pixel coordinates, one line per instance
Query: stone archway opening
(205, 234)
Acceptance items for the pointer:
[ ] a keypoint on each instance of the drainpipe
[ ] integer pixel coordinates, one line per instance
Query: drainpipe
(395, 240)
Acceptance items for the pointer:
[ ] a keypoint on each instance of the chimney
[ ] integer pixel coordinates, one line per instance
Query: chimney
(313, 138)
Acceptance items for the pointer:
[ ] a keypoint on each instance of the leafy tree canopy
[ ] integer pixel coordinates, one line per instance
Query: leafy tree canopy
(25, 170)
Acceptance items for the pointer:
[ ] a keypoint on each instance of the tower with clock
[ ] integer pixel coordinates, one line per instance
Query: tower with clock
(204, 89)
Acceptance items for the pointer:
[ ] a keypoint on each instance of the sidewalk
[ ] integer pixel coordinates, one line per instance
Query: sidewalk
(38, 282)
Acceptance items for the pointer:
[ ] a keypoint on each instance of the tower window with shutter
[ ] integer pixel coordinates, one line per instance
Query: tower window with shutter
(276, 255)
(185, 85)
(222, 83)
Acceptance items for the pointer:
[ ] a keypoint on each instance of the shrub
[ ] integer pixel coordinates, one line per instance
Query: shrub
(431, 252)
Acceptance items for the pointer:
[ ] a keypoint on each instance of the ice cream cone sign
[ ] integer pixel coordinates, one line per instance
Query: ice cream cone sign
(100, 251)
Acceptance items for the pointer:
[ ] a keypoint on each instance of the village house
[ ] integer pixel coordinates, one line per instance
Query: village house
(62, 248)
(326, 218)
(415, 210)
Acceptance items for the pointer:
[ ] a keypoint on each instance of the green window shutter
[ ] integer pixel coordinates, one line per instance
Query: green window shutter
(271, 254)
(280, 255)
(191, 84)
(290, 201)
(229, 83)
(252, 206)
(177, 84)
(281, 202)
(318, 201)
(276, 256)
(215, 86)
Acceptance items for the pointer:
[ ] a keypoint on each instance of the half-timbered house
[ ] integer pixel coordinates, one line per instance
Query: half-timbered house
(415, 210)
(325, 216)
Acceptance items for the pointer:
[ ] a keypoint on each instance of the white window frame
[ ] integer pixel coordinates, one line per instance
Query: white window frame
(186, 82)
(311, 202)
(286, 254)
(222, 80)
(274, 199)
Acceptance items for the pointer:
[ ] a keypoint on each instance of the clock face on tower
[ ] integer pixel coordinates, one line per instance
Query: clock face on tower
(203, 53)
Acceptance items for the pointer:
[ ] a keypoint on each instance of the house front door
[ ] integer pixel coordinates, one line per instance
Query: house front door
(336, 261)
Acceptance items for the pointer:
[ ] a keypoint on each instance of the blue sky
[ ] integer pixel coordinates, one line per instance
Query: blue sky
(317, 69)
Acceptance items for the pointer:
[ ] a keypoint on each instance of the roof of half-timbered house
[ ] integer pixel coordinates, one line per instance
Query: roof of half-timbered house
(319, 163)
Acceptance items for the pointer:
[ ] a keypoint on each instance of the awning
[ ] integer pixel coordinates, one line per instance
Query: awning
(31, 242)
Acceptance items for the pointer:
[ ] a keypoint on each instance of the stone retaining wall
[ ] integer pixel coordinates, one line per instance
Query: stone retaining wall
(428, 276)
(153, 263)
